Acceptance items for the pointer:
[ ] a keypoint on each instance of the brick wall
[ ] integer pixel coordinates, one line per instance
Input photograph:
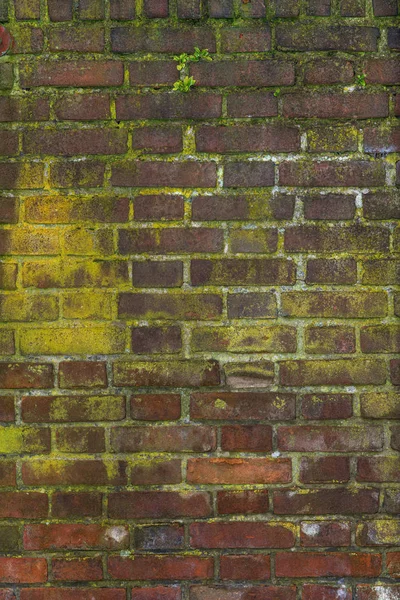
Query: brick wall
(199, 331)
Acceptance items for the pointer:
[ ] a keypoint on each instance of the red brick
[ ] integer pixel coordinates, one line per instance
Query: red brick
(330, 340)
(170, 40)
(122, 9)
(324, 438)
(73, 472)
(158, 208)
(75, 537)
(230, 271)
(82, 374)
(395, 371)
(326, 502)
(156, 340)
(385, 8)
(166, 567)
(245, 567)
(333, 469)
(76, 504)
(296, 36)
(23, 505)
(170, 240)
(378, 469)
(344, 371)
(160, 537)
(151, 273)
(8, 473)
(243, 39)
(249, 438)
(261, 305)
(327, 71)
(393, 564)
(63, 409)
(325, 533)
(248, 502)
(83, 38)
(26, 375)
(378, 533)
(180, 306)
(167, 105)
(380, 339)
(325, 592)
(242, 406)
(7, 595)
(170, 438)
(247, 138)
(158, 505)
(189, 9)
(358, 105)
(87, 440)
(239, 470)
(250, 534)
(382, 71)
(60, 11)
(23, 570)
(157, 593)
(350, 305)
(375, 592)
(75, 593)
(157, 140)
(85, 174)
(325, 173)
(327, 406)
(156, 472)
(187, 373)
(75, 142)
(163, 174)
(336, 564)
(72, 73)
(7, 410)
(334, 207)
(252, 104)
(334, 271)
(220, 9)
(262, 592)
(155, 407)
(155, 8)
(83, 107)
(77, 569)
(242, 73)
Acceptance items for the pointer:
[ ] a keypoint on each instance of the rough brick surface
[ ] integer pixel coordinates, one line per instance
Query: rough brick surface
(199, 300)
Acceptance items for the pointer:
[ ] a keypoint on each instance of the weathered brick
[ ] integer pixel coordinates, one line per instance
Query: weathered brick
(324, 501)
(23, 570)
(171, 438)
(239, 470)
(139, 505)
(72, 74)
(166, 105)
(328, 469)
(247, 138)
(344, 371)
(186, 174)
(232, 535)
(332, 174)
(358, 105)
(327, 406)
(77, 569)
(242, 73)
(67, 505)
(73, 593)
(323, 438)
(242, 406)
(334, 37)
(334, 271)
(326, 71)
(170, 40)
(162, 567)
(242, 271)
(122, 10)
(350, 305)
(337, 564)
(172, 306)
(263, 592)
(324, 533)
(167, 374)
(330, 340)
(73, 472)
(382, 70)
(378, 469)
(75, 537)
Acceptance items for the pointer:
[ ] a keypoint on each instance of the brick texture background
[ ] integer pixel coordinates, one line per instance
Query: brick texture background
(199, 317)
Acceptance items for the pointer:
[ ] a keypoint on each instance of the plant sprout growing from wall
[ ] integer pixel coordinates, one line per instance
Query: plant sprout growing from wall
(186, 81)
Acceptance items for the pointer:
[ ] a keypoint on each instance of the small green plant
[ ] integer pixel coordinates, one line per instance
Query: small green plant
(184, 85)
(360, 80)
(186, 81)
(277, 92)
